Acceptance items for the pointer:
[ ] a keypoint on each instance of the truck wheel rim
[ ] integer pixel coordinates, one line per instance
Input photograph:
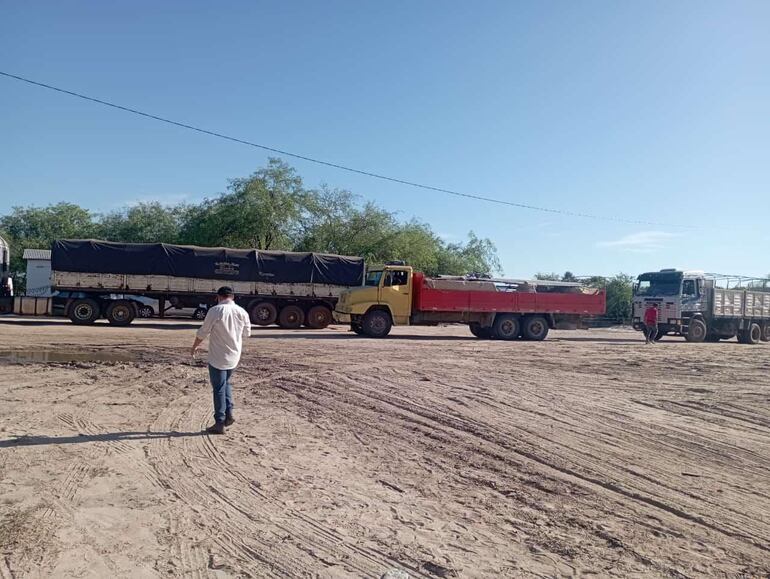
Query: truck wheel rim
(508, 328)
(319, 319)
(263, 313)
(697, 333)
(120, 313)
(536, 328)
(83, 312)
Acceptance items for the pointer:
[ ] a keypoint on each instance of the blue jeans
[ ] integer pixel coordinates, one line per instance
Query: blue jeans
(223, 392)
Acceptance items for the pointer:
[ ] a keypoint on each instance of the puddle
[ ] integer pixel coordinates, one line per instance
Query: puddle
(43, 356)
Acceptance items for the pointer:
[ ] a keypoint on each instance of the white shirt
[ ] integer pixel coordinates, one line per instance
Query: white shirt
(225, 325)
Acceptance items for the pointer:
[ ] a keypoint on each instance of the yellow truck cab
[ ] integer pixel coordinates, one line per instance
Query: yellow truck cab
(384, 300)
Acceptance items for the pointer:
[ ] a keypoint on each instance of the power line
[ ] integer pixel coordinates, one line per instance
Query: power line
(335, 165)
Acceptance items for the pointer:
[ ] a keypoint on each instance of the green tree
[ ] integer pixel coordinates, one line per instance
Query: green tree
(44, 224)
(476, 255)
(263, 211)
(338, 224)
(620, 297)
(144, 223)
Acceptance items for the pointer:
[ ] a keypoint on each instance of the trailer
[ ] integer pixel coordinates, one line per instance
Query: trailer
(505, 309)
(703, 307)
(95, 279)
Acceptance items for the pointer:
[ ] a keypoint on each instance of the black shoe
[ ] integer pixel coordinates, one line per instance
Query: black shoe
(229, 419)
(218, 428)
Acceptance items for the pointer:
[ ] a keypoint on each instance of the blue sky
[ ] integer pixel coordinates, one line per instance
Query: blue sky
(650, 111)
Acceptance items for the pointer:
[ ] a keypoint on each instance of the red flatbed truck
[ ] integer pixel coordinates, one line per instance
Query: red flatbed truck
(493, 308)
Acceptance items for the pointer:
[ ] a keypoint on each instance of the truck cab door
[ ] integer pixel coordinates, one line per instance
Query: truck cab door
(691, 295)
(396, 293)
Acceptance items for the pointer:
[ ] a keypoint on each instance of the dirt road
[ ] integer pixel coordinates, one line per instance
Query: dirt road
(431, 452)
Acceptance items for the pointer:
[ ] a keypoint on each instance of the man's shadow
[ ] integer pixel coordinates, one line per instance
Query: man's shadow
(82, 438)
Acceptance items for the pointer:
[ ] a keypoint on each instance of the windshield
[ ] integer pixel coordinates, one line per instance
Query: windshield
(659, 285)
(373, 278)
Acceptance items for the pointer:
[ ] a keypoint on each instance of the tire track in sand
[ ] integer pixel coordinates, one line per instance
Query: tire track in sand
(429, 419)
(260, 533)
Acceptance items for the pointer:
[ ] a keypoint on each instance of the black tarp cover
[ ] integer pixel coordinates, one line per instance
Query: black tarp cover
(93, 256)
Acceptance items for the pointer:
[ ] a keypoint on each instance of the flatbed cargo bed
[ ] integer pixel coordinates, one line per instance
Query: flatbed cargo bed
(489, 296)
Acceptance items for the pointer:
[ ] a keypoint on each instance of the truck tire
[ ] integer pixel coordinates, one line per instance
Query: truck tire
(84, 312)
(697, 331)
(263, 313)
(377, 324)
(507, 327)
(318, 317)
(766, 333)
(480, 331)
(120, 313)
(752, 335)
(357, 329)
(534, 328)
(291, 317)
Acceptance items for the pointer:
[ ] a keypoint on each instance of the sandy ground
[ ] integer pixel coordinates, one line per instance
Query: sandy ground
(431, 452)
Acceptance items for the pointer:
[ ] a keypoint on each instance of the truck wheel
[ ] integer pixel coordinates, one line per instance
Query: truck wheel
(318, 317)
(263, 313)
(120, 313)
(84, 312)
(750, 336)
(535, 328)
(291, 317)
(377, 324)
(766, 333)
(479, 331)
(697, 331)
(506, 327)
(357, 329)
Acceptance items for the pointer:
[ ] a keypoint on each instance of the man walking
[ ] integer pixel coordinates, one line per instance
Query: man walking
(651, 323)
(226, 325)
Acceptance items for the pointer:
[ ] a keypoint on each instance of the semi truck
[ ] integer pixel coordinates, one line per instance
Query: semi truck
(702, 307)
(504, 309)
(98, 279)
